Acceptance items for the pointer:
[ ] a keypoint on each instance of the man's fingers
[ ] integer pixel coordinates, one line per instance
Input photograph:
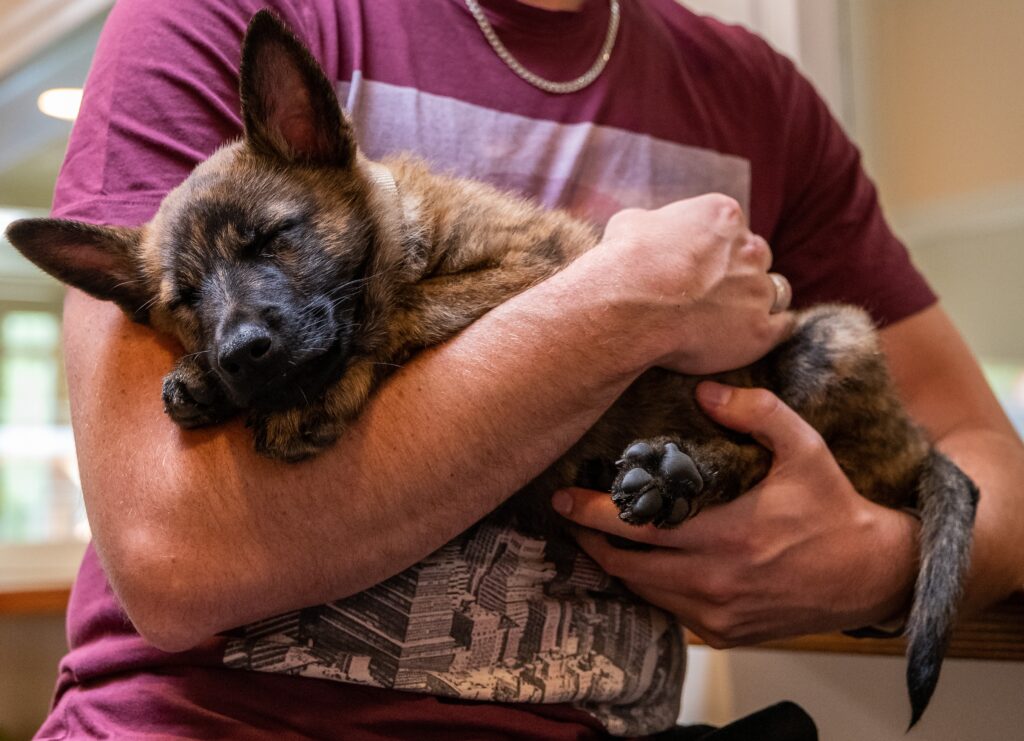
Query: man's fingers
(761, 414)
(714, 625)
(596, 510)
(783, 293)
(700, 576)
(722, 527)
(655, 568)
(755, 250)
(780, 327)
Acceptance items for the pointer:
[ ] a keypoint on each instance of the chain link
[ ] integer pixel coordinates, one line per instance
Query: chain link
(561, 88)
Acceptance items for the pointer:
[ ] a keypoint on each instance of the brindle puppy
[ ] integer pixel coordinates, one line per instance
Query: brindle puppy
(296, 274)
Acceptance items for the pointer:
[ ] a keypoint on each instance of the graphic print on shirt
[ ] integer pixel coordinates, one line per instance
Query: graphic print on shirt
(592, 171)
(496, 614)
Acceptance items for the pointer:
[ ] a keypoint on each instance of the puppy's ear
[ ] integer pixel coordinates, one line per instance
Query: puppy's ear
(100, 260)
(289, 107)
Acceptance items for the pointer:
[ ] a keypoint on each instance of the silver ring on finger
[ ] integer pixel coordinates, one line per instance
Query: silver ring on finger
(783, 293)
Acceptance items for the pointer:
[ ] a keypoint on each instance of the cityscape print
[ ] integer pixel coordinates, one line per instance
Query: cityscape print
(494, 615)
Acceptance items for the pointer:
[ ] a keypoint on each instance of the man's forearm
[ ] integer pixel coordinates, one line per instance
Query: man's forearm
(199, 534)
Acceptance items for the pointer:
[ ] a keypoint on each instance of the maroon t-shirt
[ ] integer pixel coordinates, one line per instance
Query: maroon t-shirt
(685, 106)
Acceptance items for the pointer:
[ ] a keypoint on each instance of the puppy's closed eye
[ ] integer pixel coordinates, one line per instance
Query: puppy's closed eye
(266, 243)
(186, 297)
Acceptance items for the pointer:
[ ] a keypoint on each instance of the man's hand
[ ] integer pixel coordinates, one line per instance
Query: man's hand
(696, 280)
(802, 552)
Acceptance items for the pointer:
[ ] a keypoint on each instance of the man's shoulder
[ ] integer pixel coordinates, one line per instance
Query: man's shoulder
(720, 48)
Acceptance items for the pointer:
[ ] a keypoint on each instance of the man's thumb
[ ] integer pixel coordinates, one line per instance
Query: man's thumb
(760, 414)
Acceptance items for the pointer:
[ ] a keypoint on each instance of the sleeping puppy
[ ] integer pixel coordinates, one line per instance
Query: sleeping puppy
(296, 274)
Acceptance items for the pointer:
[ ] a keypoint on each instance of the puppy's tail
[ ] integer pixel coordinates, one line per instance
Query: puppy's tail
(947, 499)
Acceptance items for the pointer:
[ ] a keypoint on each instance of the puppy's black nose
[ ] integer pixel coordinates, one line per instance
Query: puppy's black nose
(247, 350)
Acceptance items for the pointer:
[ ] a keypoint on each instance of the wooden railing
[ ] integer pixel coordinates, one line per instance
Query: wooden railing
(996, 634)
(47, 601)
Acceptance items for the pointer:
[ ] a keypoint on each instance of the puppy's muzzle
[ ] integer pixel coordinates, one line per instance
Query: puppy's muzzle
(248, 355)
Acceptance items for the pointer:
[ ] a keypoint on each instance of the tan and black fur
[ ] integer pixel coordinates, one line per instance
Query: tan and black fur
(296, 278)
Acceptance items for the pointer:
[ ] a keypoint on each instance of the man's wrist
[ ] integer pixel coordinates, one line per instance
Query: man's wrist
(597, 297)
(897, 545)
(629, 321)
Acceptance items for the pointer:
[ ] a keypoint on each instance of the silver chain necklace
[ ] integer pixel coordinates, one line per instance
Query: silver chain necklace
(561, 88)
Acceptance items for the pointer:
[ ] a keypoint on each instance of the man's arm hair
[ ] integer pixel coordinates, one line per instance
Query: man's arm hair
(946, 392)
(198, 534)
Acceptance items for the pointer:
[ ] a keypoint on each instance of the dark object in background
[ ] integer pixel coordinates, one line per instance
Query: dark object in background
(785, 721)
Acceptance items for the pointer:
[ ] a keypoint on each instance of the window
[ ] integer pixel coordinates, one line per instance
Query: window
(43, 528)
(40, 498)
(1007, 380)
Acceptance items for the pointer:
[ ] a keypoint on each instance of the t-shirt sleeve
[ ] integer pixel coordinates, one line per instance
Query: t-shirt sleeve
(831, 239)
(161, 96)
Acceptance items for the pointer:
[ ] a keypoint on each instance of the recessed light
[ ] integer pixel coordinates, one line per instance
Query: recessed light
(61, 102)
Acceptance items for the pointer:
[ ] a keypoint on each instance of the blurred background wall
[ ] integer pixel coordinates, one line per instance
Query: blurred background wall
(930, 89)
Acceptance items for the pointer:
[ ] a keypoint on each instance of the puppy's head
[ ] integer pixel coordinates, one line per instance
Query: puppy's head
(258, 261)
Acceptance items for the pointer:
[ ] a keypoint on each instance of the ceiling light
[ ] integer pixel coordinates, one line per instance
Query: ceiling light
(61, 102)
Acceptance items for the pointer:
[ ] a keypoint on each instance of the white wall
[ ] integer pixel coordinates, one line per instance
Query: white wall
(940, 110)
(857, 698)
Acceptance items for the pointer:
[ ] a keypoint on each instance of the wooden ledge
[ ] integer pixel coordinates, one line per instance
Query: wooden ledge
(996, 634)
(46, 601)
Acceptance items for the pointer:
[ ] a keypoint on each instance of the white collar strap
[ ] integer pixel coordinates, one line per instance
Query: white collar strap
(384, 180)
(381, 177)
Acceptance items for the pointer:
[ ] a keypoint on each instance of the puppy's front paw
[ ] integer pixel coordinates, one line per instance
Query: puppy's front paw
(193, 399)
(657, 482)
(294, 435)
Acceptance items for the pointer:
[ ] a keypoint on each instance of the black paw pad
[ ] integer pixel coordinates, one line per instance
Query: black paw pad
(637, 452)
(181, 404)
(636, 479)
(677, 466)
(656, 483)
(191, 401)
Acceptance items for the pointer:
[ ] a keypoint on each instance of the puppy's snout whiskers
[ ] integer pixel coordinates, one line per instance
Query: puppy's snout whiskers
(128, 282)
(149, 304)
